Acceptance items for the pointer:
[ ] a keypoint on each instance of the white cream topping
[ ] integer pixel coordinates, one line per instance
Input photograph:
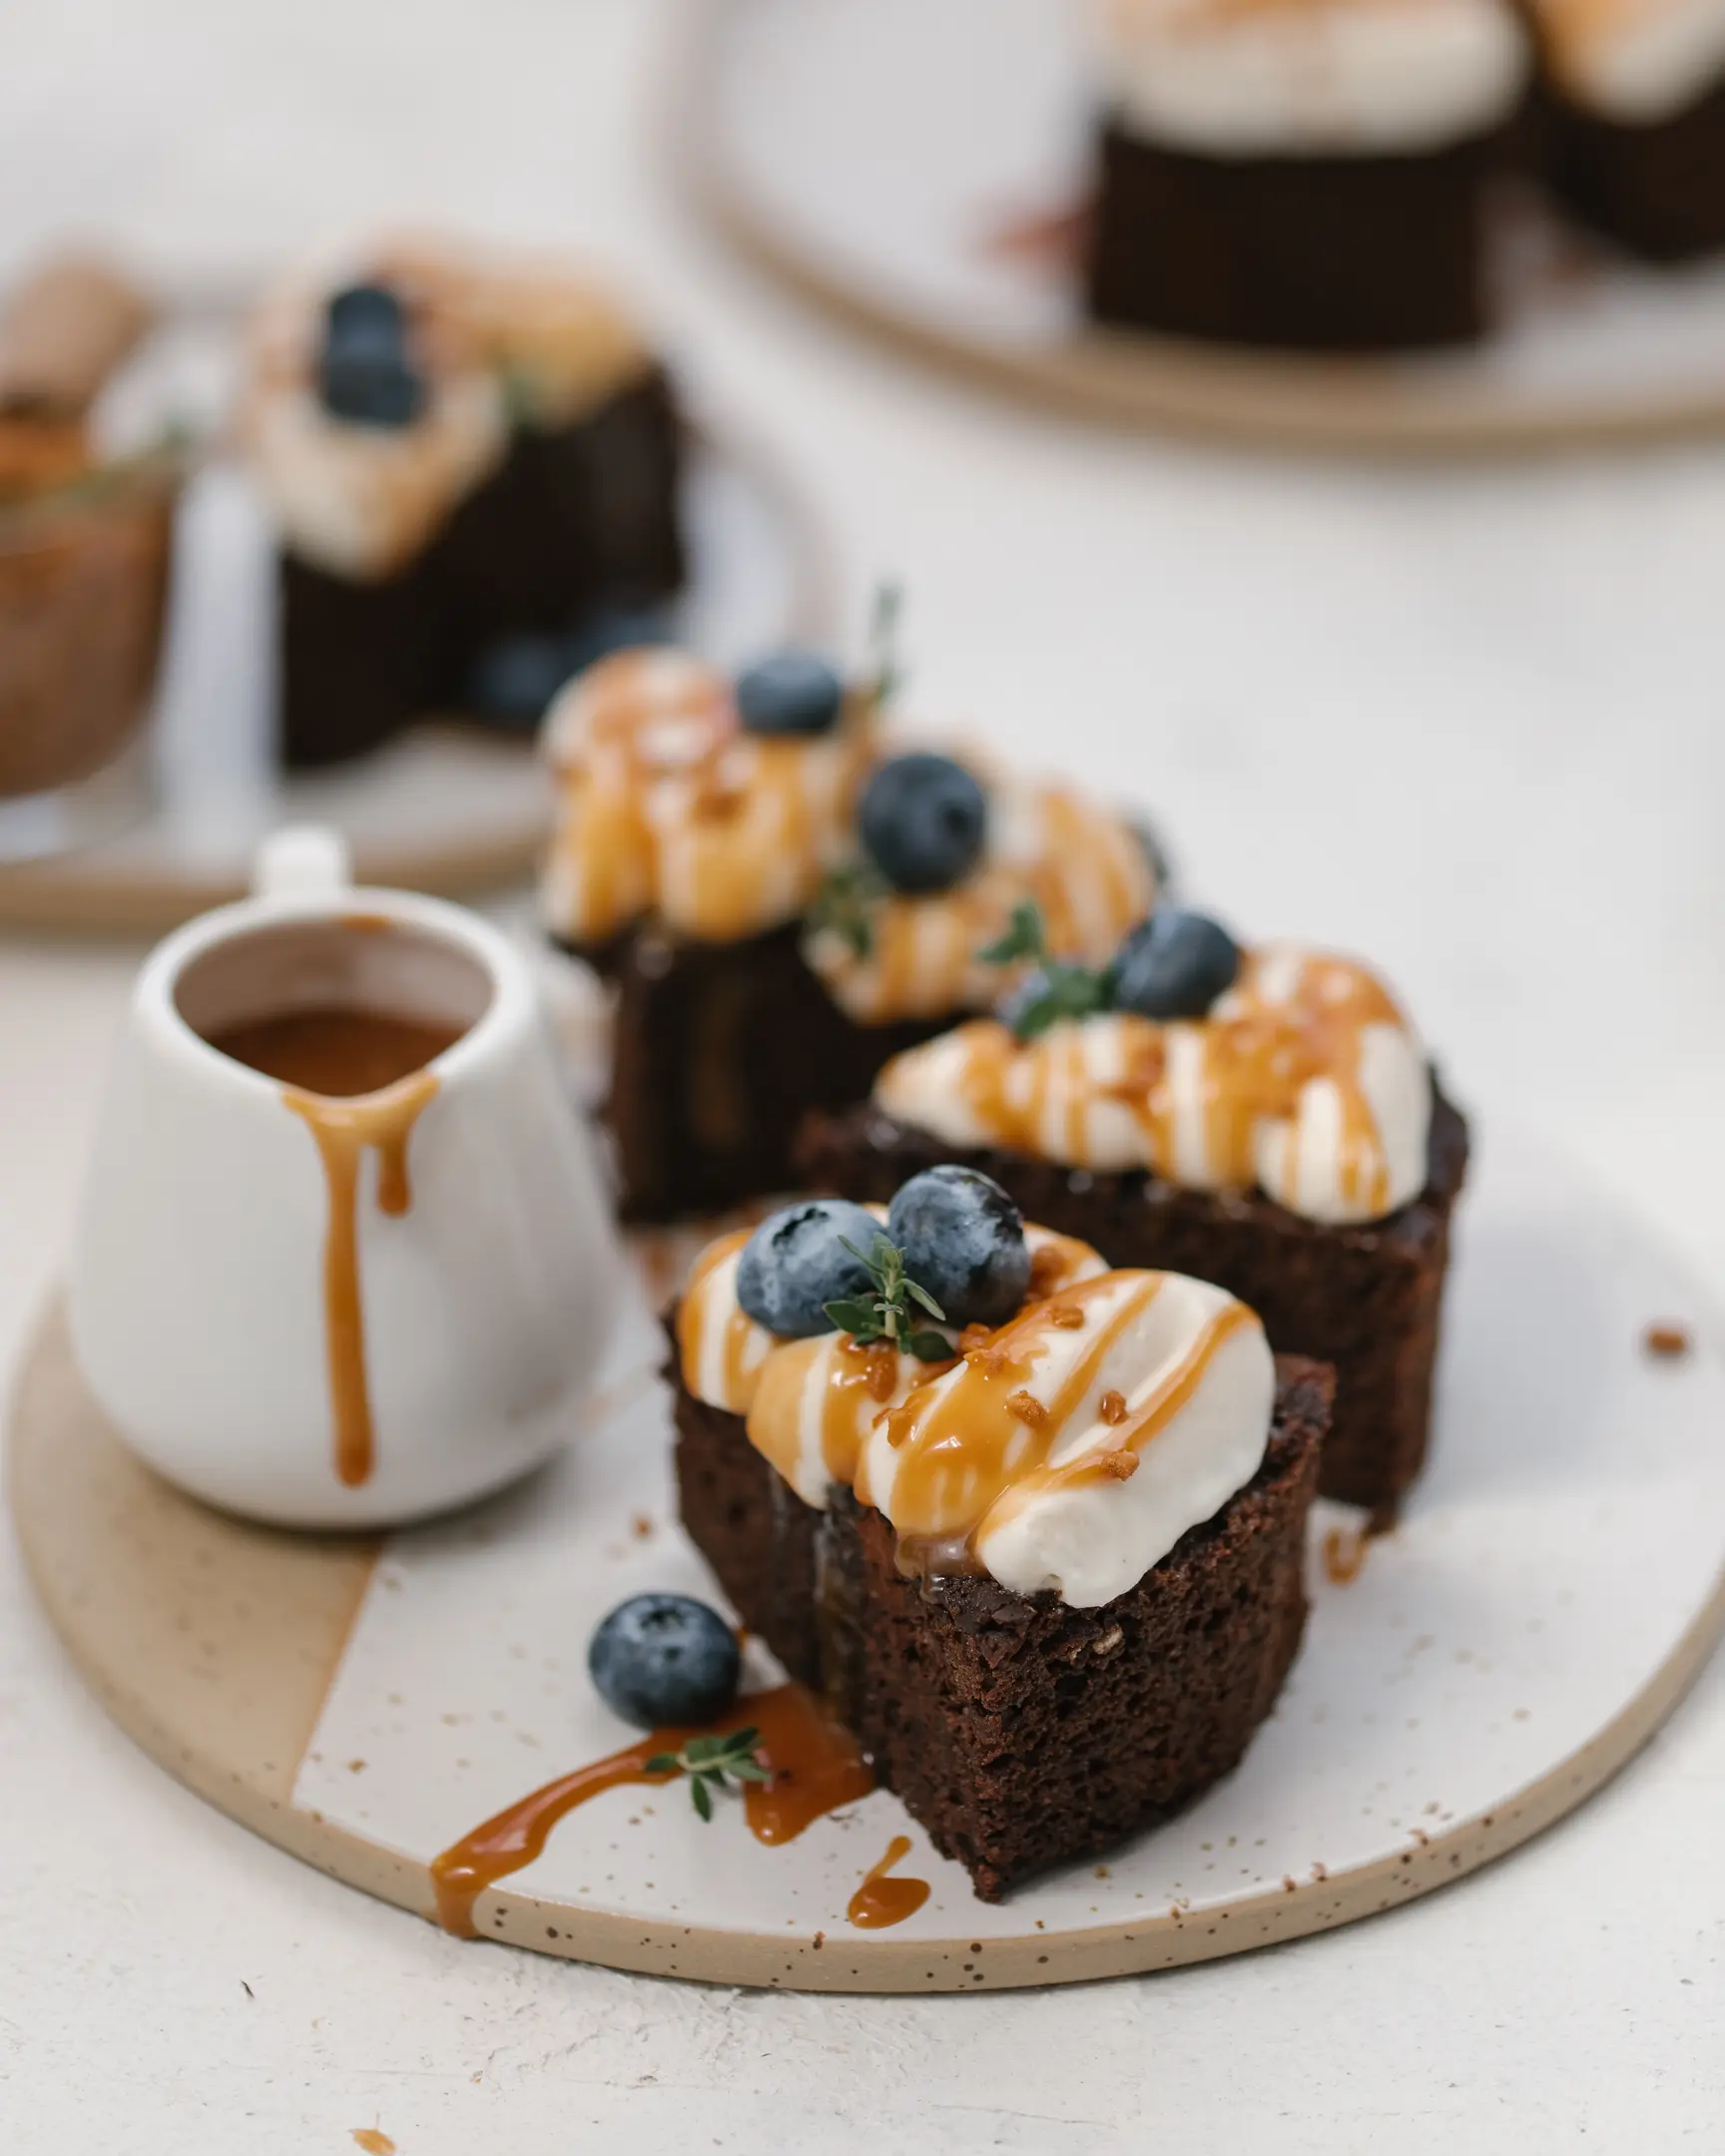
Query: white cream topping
(494, 337)
(1239, 78)
(1634, 61)
(361, 502)
(1305, 1079)
(1067, 1451)
(1063, 1524)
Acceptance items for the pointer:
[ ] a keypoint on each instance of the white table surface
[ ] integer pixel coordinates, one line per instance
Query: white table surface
(1468, 721)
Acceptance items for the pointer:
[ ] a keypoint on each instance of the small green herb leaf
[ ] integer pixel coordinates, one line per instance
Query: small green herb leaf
(930, 1347)
(709, 1760)
(1023, 938)
(888, 1314)
(922, 1295)
(846, 903)
(885, 661)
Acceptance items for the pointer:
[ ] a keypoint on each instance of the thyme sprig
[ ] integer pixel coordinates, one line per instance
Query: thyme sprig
(889, 1314)
(886, 664)
(1054, 988)
(845, 904)
(708, 1760)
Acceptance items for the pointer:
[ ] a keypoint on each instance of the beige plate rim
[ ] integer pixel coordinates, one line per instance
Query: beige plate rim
(1328, 406)
(219, 1672)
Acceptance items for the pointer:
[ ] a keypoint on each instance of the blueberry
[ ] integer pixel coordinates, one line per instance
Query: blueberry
(922, 821)
(514, 678)
(662, 1658)
(796, 1263)
(370, 315)
(790, 691)
(364, 373)
(1174, 966)
(963, 1240)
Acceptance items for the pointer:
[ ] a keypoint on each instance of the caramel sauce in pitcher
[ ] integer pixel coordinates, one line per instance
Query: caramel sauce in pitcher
(357, 1079)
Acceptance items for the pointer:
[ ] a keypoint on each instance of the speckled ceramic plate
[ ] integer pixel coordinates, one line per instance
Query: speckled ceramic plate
(1556, 1584)
(902, 161)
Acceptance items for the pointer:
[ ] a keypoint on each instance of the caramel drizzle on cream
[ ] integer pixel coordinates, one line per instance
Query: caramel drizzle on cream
(729, 1384)
(344, 1130)
(1573, 31)
(670, 809)
(1089, 880)
(1254, 1056)
(974, 1451)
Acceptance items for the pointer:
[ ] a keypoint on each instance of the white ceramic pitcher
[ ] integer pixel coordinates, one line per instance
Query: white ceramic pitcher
(341, 1313)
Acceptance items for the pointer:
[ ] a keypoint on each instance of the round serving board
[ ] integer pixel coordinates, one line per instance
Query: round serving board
(1556, 1584)
(447, 806)
(910, 162)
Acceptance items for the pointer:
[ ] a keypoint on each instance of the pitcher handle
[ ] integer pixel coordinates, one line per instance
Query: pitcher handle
(305, 861)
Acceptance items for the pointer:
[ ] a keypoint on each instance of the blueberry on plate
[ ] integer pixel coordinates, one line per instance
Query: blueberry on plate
(963, 1240)
(1174, 966)
(364, 373)
(793, 691)
(924, 820)
(665, 1658)
(796, 1263)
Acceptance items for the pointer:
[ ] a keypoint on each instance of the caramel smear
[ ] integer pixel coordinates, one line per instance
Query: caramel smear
(1043, 239)
(374, 2140)
(882, 1900)
(1667, 1341)
(342, 1130)
(1345, 1555)
(814, 1765)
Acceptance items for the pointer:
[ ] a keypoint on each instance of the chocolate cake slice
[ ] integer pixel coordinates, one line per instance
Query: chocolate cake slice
(1309, 177)
(1634, 121)
(468, 461)
(1051, 1575)
(1365, 1300)
(781, 903)
(1285, 1138)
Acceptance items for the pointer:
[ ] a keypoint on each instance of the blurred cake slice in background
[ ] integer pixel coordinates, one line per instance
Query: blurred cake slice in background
(85, 541)
(468, 455)
(1636, 119)
(1306, 174)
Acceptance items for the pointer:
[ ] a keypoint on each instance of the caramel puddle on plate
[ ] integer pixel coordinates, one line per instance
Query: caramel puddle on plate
(882, 1900)
(374, 2140)
(814, 1765)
